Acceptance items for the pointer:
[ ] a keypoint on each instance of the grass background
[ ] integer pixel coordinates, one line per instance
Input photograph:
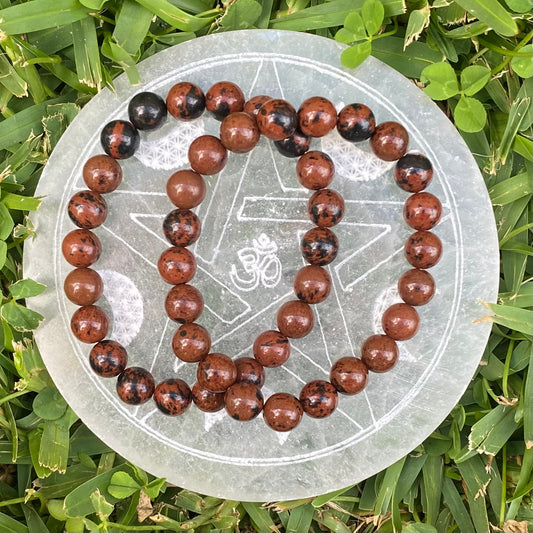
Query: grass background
(474, 473)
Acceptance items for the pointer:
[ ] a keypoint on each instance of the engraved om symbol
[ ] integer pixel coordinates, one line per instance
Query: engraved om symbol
(260, 264)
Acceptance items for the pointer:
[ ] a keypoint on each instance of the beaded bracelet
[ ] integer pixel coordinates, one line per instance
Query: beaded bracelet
(222, 381)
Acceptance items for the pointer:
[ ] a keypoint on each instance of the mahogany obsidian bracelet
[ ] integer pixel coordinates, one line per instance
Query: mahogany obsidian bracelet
(221, 381)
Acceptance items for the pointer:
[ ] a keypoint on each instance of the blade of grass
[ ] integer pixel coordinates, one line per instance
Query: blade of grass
(432, 476)
(455, 503)
(86, 53)
(300, 519)
(511, 189)
(10, 79)
(132, 25)
(260, 517)
(492, 13)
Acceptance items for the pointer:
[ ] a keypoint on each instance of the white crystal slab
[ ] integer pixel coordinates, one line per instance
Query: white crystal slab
(253, 217)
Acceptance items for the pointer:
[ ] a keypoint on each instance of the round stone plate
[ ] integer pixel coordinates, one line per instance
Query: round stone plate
(253, 218)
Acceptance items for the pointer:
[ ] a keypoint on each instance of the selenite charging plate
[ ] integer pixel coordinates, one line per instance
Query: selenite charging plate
(253, 218)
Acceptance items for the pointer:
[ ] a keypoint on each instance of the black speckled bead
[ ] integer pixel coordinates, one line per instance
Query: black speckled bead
(120, 139)
(244, 401)
(108, 358)
(224, 98)
(185, 101)
(147, 111)
(277, 119)
(413, 172)
(319, 246)
(326, 208)
(282, 411)
(135, 385)
(319, 398)
(87, 209)
(250, 370)
(206, 400)
(173, 397)
(182, 227)
(294, 146)
(356, 123)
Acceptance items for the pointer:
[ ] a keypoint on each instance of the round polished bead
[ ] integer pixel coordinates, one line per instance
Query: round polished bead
(356, 122)
(81, 248)
(186, 189)
(185, 101)
(400, 321)
(147, 111)
(239, 132)
(416, 287)
(250, 370)
(390, 140)
(422, 211)
(282, 411)
(191, 343)
(252, 106)
(294, 146)
(87, 209)
(206, 400)
(176, 265)
(326, 208)
(244, 401)
(295, 319)
(102, 173)
(319, 246)
(423, 249)
(182, 227)
(277, 119)
(413, 172)
(319, 398)
(216, 372)
(224, 98)
(312, 284)
(89, 324)
(315, 170)
(120, 139)
(207, 155)
(184, 303)
(271, 348)
(173, 397)
(135, 385)
(108, 358)
(349, 375)
(83, 286)
(379, 353)
(317, 116)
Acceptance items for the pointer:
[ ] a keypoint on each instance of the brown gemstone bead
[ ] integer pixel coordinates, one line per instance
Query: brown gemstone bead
(413, 172)
(312, 284)
(379, 353)
(89, 324)
(120, 139)
(416, 287)
(319, 398)
(182, 227)
(250, 370)
(277, 119)
(356, 123)
(315, 170)
(294, 146)
(271, 348)
(252, 106)
(326, 208)
(317, 116)
(186, 189)
(185, 101)
(295, 319)
(216, 372)
(184, 303)
(173, 397)
(108, 358)
(244, 401)
(423, 249)
(282, 411)
(239, 132)
(319, 246)
(422, 211)
(87, 209)
(81, 248)
(102, 174)
(177, 265)
(349, 375)
(224, 98)
(135, 385)
(206, 400)
(191, 343)
(207, 155)
(389, 141)
(83, 286)
(400, 321)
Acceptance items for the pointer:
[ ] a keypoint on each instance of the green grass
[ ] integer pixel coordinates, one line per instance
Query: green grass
(474, 473)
